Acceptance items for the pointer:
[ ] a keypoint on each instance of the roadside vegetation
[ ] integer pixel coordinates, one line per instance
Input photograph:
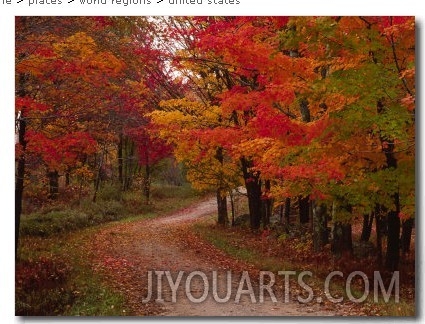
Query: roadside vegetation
(54, 275)
(275, 251)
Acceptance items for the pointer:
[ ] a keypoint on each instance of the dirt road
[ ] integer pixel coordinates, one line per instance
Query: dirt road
(128, 253)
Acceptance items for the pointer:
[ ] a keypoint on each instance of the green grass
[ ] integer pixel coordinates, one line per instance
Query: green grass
(93, 296)
(54, 275)
(222, 239)
(111, 205)
(397, 309)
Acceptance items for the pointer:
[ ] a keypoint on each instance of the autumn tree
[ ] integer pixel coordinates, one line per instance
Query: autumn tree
(319, 109)
(47, 125)
(317, 105)
(80, 90)
(197, 119)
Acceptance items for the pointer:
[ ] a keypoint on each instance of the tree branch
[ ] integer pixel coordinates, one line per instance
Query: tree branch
(280, 108)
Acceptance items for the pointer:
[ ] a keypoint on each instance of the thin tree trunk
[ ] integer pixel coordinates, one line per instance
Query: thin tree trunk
(304, 207)
(147, 183)
(129, 166)
(393, 221)
(287, 214)
(267, 205)
(19, 182)
(319, 227)
(53, 184)
(232, 204)
(253, 189)
(21, 126)
(120, 160)
(80, 190)
(342, 243)
(406, 235)
(379, 230)
(97, 181)
(223, 218)
(393, 241)
(147, 177)
(68, 177)
(367, 227)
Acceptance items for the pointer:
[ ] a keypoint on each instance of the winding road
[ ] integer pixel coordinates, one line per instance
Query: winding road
(129, 254)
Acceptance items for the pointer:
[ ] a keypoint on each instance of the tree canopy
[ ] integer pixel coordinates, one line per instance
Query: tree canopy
(321, 108)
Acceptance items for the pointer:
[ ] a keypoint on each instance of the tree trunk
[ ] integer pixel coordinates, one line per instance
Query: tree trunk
(53, 184)
(147, 183)
(97, 180)
(267, 205)
(393, 221)
(147, 177)
(21, 126)
(367, 227)
(281, 214)
(304, 207)
(120, 160)
(232, 204)
(393, 241)
(223, 218)
(253, 189)
(342, 243)
(19, 182)
(320, 231)
(379, 233)
(406, 235)
(304, 110)
(286, 213)
(129, 165)
(67, 177)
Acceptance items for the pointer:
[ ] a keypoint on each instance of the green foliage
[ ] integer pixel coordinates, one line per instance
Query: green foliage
(170, 172)
(110, 191)
(397, 309)
(160, 192)
(53, 222)
(221, 241)
(96, 300)
(67, 220)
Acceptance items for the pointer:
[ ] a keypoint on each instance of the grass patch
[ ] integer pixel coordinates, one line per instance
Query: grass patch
(111, 205)
(231, 241)
(397, 309)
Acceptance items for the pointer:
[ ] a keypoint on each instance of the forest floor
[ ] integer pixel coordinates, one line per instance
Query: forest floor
(124, 253)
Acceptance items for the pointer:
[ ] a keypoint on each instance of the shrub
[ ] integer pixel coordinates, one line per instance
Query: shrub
(170, 191)
(111, 205)
(110, 192)
(40, 287)
(53, 222)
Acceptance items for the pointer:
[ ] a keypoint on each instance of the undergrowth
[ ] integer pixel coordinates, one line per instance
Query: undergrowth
(276, 253)
(111, 205)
